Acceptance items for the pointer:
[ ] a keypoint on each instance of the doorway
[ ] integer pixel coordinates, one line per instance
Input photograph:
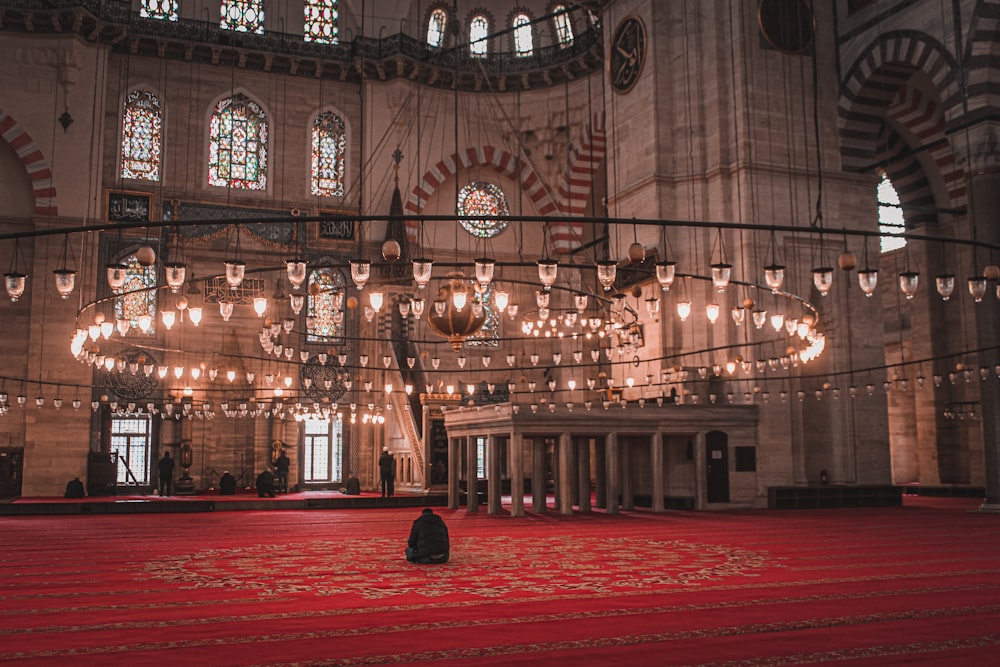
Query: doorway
(717, 466)
(11, 470)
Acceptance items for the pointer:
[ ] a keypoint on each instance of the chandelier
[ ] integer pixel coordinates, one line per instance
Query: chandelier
(457, 313)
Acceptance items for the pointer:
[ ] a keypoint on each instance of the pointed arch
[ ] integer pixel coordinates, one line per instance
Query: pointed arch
(35, 163)
(877, 87)
(484, 156)
(575, 189)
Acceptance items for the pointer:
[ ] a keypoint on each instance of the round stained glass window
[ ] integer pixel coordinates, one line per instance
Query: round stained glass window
(482, 199)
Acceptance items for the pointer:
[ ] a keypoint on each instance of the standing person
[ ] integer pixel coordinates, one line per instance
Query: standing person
(387, 471)
(166, 469)
(283, 464)
(428, 541)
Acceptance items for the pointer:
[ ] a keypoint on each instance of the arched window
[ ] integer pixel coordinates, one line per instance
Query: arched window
(237, 149)
(323, 450)
(142, 125)
(489, 334)
(522, 35)
(137, 296)
(321, 21)
(564, 28)
(165, 10)
(435, 27)
(328, 144)
(243, 16)
(482, 198)
(325, 316)
(890, 215)
(479, 30)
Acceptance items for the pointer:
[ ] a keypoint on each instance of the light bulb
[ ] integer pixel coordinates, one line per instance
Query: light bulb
(683, 310)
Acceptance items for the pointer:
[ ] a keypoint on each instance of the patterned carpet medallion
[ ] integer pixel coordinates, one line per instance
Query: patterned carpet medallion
(485, 567)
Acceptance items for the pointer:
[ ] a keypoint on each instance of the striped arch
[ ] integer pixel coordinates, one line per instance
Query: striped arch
(877, 88)
(575, 187)
(920, 114)
(34, 163)
(981, 55)
(483, 156)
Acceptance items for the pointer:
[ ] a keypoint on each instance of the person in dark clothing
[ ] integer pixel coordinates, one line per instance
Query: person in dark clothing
(428, 541)
(166, 469)
(283, 464)
(387, 472)
(265, 484)
(352, 487)
(227, 484)
(74, 489)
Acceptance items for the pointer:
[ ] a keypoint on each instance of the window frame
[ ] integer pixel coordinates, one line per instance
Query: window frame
(242, 7)
(518, 30)
(889, 240)
(484, 50)
(143, 475)
(308, 22)
(262, 140)
(334, 435)
(124, 141)
(442, 31)
(314, 188)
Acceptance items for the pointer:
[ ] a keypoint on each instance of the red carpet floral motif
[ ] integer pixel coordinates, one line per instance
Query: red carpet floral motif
(483, 566)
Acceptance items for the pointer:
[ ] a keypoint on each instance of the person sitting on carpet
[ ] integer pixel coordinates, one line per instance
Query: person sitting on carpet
(265, 484)
(227, 484)
(352, 487)
(428, 541)
(74, 489)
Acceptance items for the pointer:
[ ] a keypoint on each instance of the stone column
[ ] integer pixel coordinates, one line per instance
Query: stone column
(538, 474)
(564, 484)
(613, 467)
(494, 475)
(628, 492)
(516, 474)
(471, 474)
(600, 473)
(984, 204)
(454, 468)
(656, 462)
(583, 474)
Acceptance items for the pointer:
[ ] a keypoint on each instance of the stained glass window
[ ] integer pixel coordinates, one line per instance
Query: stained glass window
(130, 441)
(237, 149)
(328, 144)
(142, 125)
(479, 30)
(137, 296)
(325, 316)
(243, 16)
(321, 21)
(522, 35)
(158, 9)
(323, 450)
(564, 28)
(489, 334)
(481, 198)
(890, 216)
(435, 27)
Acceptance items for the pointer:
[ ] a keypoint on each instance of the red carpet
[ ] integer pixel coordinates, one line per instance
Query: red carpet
(913, 585)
